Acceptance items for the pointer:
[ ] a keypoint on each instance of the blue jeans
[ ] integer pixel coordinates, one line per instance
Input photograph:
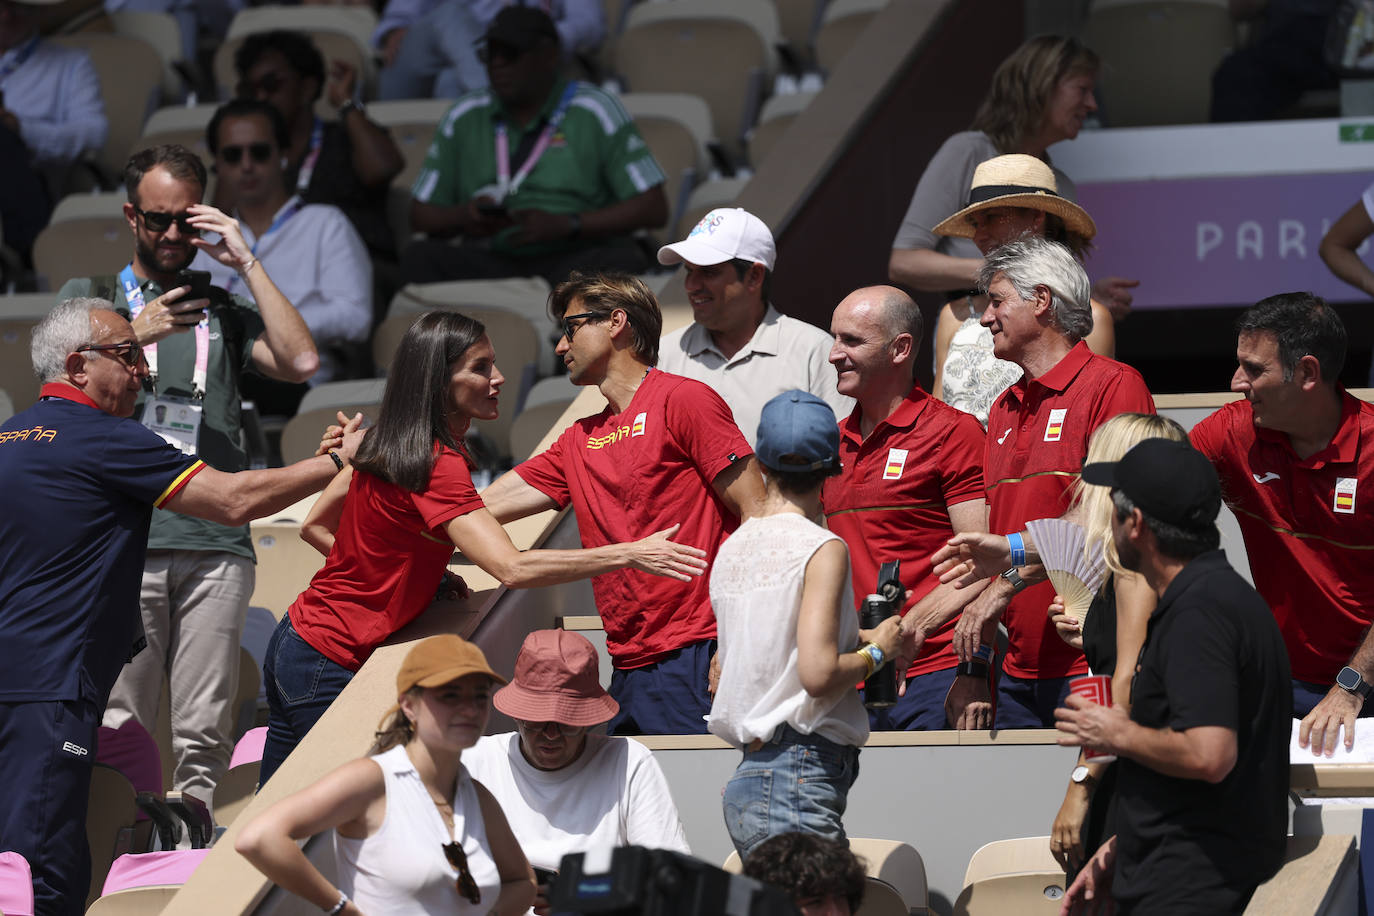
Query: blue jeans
(300, 683)
(1026, 703)
(796, 783)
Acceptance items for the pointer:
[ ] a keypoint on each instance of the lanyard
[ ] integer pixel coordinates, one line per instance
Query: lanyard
(293, 206)
(504, 181)
(18, 59)
(308, 164)
(133, 294)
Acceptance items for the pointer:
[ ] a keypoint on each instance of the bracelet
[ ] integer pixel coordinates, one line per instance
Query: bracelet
(1018, 548)
(972, 669)
(873, 657)
(338, 462)
(251, 264)
(338, 907)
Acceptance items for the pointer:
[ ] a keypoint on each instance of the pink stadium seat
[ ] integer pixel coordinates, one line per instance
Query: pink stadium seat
(16, 885)
(249, 747)
(133, 752)
(144, 869)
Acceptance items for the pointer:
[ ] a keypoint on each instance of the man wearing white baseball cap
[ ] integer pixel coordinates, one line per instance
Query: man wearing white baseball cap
(739, 344)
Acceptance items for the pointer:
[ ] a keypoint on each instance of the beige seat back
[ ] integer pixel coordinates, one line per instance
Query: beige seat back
(664, 44)
(26, 305)
(160, 30)
(534, 423)
(343, 394)
(1161, 56)
(286, 565)
(342, 33)
(1009, 857)
(235, 791)
(707, 197)
(130, 72)
(778, 114)
(135, 901)
(677, 127)
(881, 899)
(178, 124)
(109, 822)
(1028, 894)
(16, 366)
(896, 864)
(843, 22)
(412, 123)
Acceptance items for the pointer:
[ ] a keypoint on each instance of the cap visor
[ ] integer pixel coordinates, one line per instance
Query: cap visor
(693, 251)
(1100, 473)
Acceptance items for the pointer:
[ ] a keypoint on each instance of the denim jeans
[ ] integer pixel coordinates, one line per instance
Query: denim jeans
(797, 783)
(301, 683)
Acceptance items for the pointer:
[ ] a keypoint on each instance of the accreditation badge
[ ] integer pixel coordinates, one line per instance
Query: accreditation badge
(896, 462)
(1344, 502)
(1054, 429)
(177, 420)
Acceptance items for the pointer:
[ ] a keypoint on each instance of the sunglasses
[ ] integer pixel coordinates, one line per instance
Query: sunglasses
(258, 152)
(130, 354)
(268, 84)
(496, 50)
(161, 222)
(467, 885)
(569, 329)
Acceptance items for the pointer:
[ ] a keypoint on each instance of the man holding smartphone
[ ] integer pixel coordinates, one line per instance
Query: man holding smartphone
(197, 339)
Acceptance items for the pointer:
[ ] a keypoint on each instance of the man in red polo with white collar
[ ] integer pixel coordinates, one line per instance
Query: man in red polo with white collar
(1038, 432)
(1293, 458)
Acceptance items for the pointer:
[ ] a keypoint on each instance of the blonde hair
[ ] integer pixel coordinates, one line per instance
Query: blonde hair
(1023, 84)
(1111, 442)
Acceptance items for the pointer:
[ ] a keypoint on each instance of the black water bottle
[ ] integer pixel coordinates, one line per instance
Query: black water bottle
(880, 688)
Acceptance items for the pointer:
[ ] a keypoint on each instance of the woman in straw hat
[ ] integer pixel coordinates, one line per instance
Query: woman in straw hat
(414, 833)
(410, 503)
(563, 788)
(1012, 196)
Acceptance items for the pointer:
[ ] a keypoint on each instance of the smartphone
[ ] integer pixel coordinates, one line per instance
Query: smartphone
(198, 280)
(544, 876)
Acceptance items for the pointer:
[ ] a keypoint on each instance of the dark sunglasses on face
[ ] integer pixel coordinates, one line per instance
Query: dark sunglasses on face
(161, 222)
(569, 329)
(467, 885)
(258, 152)
(130, 354)
(496, 50)
(268, 84)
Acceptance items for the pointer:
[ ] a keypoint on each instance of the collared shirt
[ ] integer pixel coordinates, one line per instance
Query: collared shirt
(630, 474)
(234, 326)
(80, 487)
(1038, 433)
(1212, 657)
(596, 158)
(1308, 526)
(891, 501)
(55, 94)
(321, 266)
(783, 354)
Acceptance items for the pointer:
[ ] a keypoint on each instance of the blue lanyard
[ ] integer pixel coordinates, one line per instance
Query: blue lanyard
(313, 155)
(133, 295)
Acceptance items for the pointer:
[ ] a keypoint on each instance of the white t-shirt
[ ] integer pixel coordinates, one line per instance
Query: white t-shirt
(613, 795)
(756, 589)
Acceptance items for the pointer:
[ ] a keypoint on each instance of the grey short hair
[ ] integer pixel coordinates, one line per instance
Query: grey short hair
(1032, 261)
(62, 331)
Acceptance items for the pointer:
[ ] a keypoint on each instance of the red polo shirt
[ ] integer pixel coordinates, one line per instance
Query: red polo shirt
(891, 502)
(1038, 433)
(630, 474)
(1308, 526)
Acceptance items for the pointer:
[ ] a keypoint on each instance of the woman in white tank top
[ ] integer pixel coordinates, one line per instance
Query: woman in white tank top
(414, 833)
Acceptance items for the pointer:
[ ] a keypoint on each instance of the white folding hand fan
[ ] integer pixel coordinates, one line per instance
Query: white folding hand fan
(1076, 575)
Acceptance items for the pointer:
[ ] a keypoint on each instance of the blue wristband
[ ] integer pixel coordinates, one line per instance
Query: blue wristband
(1018, 548)
(984, 653)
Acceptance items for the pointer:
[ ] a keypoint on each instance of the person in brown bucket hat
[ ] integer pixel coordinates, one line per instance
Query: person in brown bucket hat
(563, 787)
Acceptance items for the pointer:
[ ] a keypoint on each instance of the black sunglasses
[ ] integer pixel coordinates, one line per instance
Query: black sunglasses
(130, 354)
(500, 50)
(467, 885)
(569, 329)
(269, 84)
(258, 152)
(161, 222)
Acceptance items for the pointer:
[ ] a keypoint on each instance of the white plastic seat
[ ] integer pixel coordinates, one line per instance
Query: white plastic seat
(130, 72)
(778, 114)
(677, 127)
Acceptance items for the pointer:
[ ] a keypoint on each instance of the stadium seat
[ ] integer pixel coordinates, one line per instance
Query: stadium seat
(85, 237)
(1029, 894)
(412, 123)
(26, 305)
(798, 21)
(342, 394)
(16, 885)
(178, 124)
(245, 707)
(553, 388)
(1011, 857)
(707, 197)
(896, 875)
(526, 296)
(1160, 58)
(778, 114)
(531, 425)
(517, 350)
(664, 45)
(138, 901)
(152, 869)
(16, 366)
(677, 127)
(300, 438)
(109, 822)
(249, 747)
(163, 32)
(840, 27)
(130, 72)
(285, 563)
(6, 411)
(340, 32)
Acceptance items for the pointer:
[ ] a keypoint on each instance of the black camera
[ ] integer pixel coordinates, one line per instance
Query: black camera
(880, 688)
(658, 882)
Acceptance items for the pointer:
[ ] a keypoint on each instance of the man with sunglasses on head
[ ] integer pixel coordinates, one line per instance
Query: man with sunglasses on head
(313, 252)
(347, 161)
(539, 175)
(82, 481)
(563, 787)
(199, 574)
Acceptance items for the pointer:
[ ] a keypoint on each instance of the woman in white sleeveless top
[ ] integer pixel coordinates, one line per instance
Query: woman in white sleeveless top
(414, 833)
(790, 653)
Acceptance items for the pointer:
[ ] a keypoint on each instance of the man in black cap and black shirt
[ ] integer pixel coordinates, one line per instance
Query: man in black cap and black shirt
(1202, 796)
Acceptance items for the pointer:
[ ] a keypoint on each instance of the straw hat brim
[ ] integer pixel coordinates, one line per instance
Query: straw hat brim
(1075, 218)
(519, 702)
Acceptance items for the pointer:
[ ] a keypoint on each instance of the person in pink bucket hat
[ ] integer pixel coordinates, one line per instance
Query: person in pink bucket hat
(562, 787)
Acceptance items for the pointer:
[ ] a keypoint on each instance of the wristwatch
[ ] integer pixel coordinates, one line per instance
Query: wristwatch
(1014, 578)
(352, 105)
(1350, 679)
(1081, 775)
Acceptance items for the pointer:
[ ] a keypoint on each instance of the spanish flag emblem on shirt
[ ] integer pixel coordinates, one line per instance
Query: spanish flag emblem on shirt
(896, 461)
(1345, 495)
(1054, 429)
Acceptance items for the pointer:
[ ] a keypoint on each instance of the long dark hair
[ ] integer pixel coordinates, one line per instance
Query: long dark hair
(415, 409)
